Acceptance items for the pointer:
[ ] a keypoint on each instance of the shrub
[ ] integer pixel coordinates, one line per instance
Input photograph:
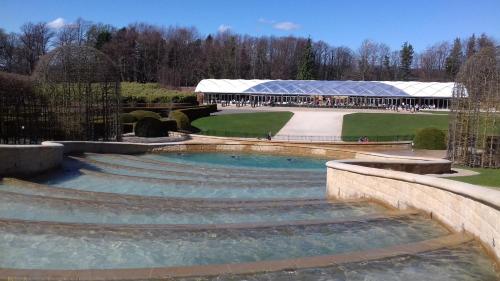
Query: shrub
(140, 114)
(182, 120)
(127, 118)
(150, 127)
(430, 138)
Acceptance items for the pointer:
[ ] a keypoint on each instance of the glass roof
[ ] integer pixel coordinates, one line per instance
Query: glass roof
(332, 88)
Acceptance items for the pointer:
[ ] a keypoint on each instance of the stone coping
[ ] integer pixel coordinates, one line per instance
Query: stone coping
(25, 160)
(448, 241)
(487, 196)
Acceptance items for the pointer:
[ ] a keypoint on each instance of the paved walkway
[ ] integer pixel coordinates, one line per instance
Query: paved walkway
(313, 123)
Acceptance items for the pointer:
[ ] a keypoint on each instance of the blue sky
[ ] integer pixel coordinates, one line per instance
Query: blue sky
(422, 23)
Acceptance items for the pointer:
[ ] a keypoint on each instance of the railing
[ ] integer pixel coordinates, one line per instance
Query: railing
(303, 138)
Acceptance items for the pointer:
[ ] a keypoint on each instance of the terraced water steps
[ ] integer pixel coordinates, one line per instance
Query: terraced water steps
(157, 230)
(239, 269)
(145, 186)
(45, 208)
(24, 245)
(32, 188)
(195, 172)
(145, 161)
(462, 262)
(182, 177)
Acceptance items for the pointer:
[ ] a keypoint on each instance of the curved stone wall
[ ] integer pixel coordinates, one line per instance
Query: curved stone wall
(461, 206)
(25, 160)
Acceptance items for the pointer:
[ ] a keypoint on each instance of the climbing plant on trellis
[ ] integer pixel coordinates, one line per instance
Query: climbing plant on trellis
(82, 86)
(474, 131)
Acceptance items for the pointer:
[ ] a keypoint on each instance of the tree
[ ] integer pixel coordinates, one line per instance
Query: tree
(306, 66)
(470, 46)
(34, 43)
(455, 59)
(406, 54)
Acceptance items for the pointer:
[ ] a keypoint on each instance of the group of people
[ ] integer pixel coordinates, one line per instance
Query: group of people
(363, 139)
(410, 108)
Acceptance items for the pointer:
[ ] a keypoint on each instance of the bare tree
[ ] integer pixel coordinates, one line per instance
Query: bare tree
(34, 42)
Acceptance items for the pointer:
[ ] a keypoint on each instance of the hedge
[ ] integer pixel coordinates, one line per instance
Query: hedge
(194, 113)
(127, 118)
(140, 114)
(182, 120)
(150, 127)
(430, 138)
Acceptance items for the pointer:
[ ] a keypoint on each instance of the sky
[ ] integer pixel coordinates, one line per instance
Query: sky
(337, 22)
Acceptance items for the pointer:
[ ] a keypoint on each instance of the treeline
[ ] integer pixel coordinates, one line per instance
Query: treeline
(181, 56)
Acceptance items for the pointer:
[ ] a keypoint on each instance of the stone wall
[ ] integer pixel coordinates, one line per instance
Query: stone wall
(461, 206)
(25, 160)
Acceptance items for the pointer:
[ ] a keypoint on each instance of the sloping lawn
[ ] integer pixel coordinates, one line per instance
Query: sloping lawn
(486, 177)
(386, 126)
(242, 124)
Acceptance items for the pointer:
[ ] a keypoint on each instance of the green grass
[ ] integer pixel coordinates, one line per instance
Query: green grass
(486, 177)
(385, 126)
(243, 124)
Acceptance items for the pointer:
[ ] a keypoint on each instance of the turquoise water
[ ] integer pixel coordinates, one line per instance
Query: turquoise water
(70, 250)
(239, 160)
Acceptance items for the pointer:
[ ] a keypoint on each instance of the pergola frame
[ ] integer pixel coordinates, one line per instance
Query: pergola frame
(474, 132)
(82, 86)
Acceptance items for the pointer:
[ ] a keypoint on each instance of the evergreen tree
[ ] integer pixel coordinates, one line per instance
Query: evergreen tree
(471, 46)
(454, 60)
(386, 71)
(406, 54)
(306, 66)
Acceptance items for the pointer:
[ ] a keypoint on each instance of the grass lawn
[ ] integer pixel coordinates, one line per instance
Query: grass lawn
(243, 124)
(388, 125)
(487, 177)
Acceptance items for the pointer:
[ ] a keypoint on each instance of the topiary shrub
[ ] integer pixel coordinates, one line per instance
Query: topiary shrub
(181, 119)
(140, 114)
(127, 118)
(149, 127)
(170, 124)
(430, 138)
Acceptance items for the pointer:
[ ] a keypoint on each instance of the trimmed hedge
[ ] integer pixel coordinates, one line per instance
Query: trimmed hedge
(140, 114)
(430, 138)
(182, 120)
(194, 113)
(150, 127)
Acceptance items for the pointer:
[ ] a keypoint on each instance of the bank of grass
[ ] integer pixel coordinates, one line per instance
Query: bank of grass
(389, 126)
(486, 177)
(257, 124)
(133, 92)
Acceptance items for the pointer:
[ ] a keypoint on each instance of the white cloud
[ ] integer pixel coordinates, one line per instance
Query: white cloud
(224, 28)
(57, 23)
(286, 25)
